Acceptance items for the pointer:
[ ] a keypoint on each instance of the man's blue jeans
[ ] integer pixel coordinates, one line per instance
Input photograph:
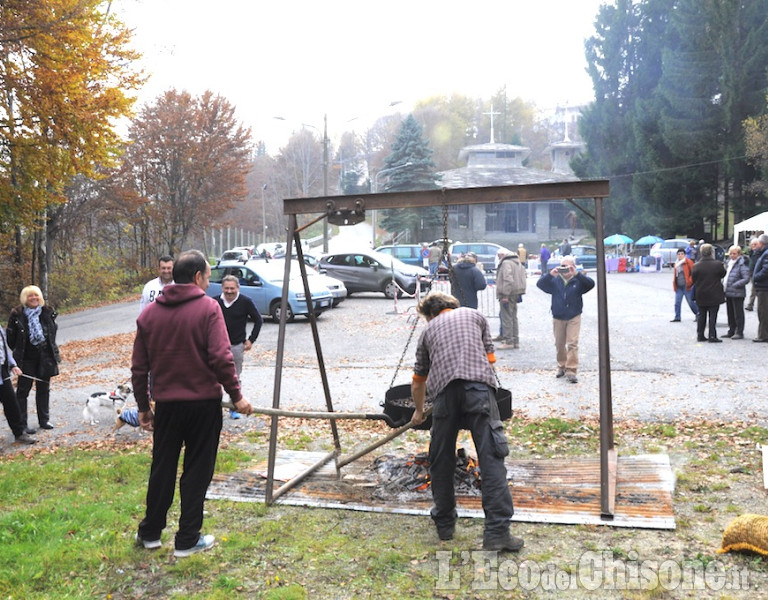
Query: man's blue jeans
(679, 293)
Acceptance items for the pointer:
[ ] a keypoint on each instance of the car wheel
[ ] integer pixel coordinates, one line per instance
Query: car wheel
(392, 290)
(274, 311)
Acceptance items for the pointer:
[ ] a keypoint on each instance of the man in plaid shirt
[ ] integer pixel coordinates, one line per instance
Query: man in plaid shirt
(453, 369)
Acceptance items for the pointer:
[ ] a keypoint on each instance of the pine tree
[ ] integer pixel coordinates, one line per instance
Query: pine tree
(410, 149)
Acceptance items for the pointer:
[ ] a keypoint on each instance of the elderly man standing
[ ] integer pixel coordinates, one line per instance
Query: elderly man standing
(760, 283)
(462, 387)
(566, 286)
(181, 339)
(511, 281)
(237, 309)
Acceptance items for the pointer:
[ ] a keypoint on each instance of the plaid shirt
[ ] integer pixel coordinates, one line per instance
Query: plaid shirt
(455, 345)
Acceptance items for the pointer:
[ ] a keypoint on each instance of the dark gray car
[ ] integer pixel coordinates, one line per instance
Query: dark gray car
(374, 272)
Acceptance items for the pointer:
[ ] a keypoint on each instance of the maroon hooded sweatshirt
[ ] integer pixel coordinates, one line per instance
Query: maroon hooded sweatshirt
(183, 340)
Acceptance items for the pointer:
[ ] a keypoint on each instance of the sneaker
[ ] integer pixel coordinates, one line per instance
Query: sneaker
(737, 336)
(148, 544)
(560, 372)
(25, 439)
(505, 346)
(571, 378)
(204, 542)
(233, 414)
(507, 543)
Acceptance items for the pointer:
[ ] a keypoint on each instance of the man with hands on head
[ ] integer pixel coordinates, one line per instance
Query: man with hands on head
(182, 341)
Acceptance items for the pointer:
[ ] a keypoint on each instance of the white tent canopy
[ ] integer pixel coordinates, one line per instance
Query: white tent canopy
(756, 223)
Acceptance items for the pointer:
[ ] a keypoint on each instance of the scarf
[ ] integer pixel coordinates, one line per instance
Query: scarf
(36, 335)
(731, 264)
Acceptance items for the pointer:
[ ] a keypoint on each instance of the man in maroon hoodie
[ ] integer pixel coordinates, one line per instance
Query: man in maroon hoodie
(182, 340)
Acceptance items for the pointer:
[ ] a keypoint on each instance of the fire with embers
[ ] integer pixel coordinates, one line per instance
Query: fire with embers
(411, 473)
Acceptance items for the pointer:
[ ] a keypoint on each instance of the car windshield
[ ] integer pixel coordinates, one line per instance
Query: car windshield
(387, 261)
(274, 270)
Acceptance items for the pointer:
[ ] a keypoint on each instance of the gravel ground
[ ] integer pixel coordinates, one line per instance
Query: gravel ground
(658, 370)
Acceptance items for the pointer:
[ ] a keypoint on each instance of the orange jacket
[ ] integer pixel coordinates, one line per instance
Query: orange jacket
(687, 268)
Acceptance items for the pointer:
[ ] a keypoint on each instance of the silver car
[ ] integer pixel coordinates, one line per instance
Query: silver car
(666, 252)
(367, 271)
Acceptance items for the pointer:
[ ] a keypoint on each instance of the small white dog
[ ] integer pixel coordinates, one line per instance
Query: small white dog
(114, 400)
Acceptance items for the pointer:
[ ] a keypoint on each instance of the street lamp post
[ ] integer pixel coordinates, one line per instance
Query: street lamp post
(263, 215)
(375, 190)
(325, 179)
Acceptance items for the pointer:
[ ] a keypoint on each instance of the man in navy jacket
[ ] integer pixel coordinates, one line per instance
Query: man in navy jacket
(566, 286)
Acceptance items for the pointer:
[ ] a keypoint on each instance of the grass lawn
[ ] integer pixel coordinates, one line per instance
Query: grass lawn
(69, 517)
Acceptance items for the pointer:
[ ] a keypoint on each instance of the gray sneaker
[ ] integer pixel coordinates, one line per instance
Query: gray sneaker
(204, 542)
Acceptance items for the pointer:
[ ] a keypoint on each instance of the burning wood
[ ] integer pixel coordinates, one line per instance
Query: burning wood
(410, 474)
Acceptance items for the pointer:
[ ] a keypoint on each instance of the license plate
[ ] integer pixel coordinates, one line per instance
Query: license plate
(324, 303)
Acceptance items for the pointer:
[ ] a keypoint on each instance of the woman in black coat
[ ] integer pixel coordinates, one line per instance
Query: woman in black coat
(31, 334)
(707, 275)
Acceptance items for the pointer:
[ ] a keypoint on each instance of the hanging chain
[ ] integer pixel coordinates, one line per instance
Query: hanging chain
(451, 272)
(415, 322)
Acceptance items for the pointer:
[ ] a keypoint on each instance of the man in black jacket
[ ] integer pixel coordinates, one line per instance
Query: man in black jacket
(237, 309)
(707, 275)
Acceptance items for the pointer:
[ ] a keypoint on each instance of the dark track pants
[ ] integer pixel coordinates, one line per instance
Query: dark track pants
(196, 425)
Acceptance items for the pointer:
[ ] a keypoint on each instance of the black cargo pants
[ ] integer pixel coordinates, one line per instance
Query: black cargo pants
(469, 405)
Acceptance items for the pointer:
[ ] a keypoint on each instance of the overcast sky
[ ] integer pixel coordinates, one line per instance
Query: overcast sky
(301, 59)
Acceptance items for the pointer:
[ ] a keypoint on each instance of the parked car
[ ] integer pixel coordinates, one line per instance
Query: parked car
(410, 254)
(239, 254)
(335, 286)
(586, 258)
(374, 272)
(666, 251)
(262, 282)
(486, 253)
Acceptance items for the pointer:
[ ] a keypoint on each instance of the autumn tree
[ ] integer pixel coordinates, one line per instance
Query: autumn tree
(65, 77)
(187, 160)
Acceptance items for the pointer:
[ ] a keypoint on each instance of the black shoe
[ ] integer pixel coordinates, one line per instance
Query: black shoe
(748, 308)
(446, 533)
(675, 321)
(25, 439)
(30, 431)
(701, 339)
(759, 340)
(46, 426)
(737, 336)
(507, 543)
(715, 341)
(729, 334)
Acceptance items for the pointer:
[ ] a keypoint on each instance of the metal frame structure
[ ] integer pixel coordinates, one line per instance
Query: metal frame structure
(349, 210)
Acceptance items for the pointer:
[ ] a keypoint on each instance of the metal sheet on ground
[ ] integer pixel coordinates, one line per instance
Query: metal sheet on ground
(563, 491)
